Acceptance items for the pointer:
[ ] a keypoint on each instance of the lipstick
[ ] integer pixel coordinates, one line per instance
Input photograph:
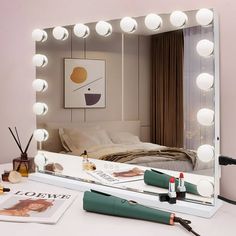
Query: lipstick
(171, 192)
(160, 179)
(181, 189)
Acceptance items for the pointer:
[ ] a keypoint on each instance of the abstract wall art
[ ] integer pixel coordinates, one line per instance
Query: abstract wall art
(84, 81)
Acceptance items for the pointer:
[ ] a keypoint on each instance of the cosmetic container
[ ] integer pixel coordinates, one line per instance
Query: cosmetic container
(5, 176)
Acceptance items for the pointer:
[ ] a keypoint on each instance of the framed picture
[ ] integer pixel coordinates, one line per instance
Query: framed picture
(84, 81)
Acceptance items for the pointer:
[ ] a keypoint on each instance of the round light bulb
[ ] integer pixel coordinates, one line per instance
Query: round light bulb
(103, 28)
(205, 81)
(40, 161)
(40, 60)
(206, 153)
(204, 17)
(39, 35)
(178, 18)
(41, 135)
(205, 116)
(205, 48)
(128, 24)
(153, 21)
(40, 85)
(40, 108)
(60, 33)
(205, 188)
(81, 30)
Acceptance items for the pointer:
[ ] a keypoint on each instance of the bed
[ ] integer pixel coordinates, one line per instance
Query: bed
(119, 141)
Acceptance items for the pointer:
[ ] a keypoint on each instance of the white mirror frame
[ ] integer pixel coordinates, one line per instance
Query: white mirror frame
(217, 168)
(150, 200)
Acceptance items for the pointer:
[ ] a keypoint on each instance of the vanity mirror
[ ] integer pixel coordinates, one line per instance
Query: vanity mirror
(136, 93)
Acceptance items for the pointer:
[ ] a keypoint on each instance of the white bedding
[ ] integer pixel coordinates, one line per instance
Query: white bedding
(101, 150)
(117, 145)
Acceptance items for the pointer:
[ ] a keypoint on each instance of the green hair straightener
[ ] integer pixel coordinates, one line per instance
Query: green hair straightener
(103, 203)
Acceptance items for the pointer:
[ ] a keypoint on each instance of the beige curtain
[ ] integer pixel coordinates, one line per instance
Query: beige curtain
(167, 89)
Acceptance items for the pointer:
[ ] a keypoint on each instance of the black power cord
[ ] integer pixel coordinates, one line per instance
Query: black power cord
(186, 225)
(224, 161)
(227, 200)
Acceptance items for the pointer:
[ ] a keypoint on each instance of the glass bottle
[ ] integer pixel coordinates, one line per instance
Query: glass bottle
(24, 165)
(85, 161)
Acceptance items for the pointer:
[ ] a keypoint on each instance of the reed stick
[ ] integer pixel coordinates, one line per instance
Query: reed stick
(16, 140)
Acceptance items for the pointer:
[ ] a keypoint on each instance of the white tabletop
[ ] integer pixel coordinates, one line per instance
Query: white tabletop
(76, 221)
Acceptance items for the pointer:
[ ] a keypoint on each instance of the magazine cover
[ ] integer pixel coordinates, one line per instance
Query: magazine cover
(35, 207)
(116, 177)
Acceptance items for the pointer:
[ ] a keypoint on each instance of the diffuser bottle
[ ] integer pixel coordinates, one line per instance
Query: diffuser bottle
(24, 165)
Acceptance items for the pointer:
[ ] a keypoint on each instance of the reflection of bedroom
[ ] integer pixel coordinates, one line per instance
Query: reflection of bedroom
(150, 99)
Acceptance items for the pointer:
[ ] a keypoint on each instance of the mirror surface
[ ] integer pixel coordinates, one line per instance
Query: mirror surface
(135, 100)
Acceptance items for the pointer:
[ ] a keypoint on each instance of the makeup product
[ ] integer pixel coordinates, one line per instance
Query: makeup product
(110, 205)
(86, 164)
(171, 192)
(22, 164)
(85, 160)
(160, 179)
(4, 190)
(5, 175)
(181, 189)
(14, 177)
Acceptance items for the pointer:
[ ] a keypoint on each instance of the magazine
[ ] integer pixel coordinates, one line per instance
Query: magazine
(116, 177)
(28, 206)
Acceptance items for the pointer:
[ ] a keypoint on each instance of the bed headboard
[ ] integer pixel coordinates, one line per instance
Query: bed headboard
(53, 143)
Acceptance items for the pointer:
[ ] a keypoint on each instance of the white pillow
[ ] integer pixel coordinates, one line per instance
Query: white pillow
(85, 138)
(124, 138)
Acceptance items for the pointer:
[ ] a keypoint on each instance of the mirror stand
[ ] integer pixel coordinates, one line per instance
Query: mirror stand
(206, 211)
(74, 178)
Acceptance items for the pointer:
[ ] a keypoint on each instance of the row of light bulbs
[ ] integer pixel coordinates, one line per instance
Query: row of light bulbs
(205, 82)
(40, 108)
(205, 48)
(152, 21)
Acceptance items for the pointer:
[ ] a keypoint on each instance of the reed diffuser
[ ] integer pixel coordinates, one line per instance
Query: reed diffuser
(23, 164)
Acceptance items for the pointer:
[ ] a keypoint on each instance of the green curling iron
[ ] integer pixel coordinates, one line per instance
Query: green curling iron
(159, 179)
(110, 205)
